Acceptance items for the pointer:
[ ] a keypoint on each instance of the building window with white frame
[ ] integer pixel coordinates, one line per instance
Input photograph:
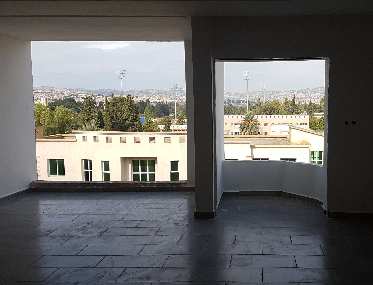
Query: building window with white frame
(174, 171)
(143, 170)
(87, 169)
(317, 157)
(56, 167)
(95, 138)
(105, 167)
(151, 139)
(109, 140)
(84, 138)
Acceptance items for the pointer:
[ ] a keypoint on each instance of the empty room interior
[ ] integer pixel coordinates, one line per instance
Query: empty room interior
(185, 142)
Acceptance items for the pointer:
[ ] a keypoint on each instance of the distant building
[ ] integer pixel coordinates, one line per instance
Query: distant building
(268, 124)
(112, 156)
(301, 145)
(138, 156)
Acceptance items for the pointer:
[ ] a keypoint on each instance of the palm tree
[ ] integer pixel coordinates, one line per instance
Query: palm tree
(249, 125)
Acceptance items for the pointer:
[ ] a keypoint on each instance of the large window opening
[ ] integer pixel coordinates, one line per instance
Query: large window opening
(110, 111)
(275, 110)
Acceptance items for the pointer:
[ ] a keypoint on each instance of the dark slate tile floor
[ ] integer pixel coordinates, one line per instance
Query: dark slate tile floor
(152, 238)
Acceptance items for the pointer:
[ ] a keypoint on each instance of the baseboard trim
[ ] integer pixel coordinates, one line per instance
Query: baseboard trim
(273, 193)
(349, 215)
(204, 215)
(49, 186)
(14, 195)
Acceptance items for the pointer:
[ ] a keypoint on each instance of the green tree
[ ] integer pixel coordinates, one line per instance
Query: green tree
(39, 114)
(121, 114)
(100, 120)
(166, 122)
(63, 120)
(291, 107)
(273, 107)
(67, 102)
(249, 125)
(181, 118)
(317, 124)
(229, 109)
(88, 111)
(149, 124)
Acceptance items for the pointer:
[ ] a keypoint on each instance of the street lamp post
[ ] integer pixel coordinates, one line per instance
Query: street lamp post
(122, 76)
(247, 78)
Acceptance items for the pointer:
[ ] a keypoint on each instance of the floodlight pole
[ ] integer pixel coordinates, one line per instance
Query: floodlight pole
(122, 76)
(247, 78)
(175, 109)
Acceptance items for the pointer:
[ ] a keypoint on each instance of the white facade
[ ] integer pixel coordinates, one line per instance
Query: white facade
(300, 145)
(268, 124)
(120, 149)
(298, 153)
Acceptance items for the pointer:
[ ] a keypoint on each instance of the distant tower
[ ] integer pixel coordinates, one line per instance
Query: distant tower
(122, 76)
(247, 78)
(176, 90)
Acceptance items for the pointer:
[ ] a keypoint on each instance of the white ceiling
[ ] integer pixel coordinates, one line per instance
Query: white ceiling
(184, 7)
(96, 28)
(145, 20)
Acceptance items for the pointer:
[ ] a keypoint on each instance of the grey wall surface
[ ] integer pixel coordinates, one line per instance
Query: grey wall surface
(17, 139)
(345, 40)
(219, 129)
(302, 179)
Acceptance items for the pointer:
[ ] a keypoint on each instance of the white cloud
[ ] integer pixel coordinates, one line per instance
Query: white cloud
(107, 46)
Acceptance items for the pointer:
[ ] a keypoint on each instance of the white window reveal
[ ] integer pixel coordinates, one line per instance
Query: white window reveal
(87, 169)
(174, 173)
(105, 167)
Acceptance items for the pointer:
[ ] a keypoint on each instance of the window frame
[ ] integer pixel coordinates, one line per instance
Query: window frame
(174, 171)
(316, 159)
(140, 172)
(89, 171)
(57, 166)
(103, 171)
(151, 139)
(166, 139)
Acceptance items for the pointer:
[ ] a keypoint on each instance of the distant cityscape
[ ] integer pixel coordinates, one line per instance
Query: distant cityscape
(44, 94)
(135, 136)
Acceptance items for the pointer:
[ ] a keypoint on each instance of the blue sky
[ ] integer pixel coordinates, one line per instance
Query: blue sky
(158, 65)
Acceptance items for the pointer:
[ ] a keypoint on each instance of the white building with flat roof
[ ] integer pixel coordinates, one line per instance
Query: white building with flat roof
(300, 145)
(268, 124)
(112, 156)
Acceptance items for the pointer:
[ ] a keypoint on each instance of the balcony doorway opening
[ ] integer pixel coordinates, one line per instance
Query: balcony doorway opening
(110, 111)
(275, 124)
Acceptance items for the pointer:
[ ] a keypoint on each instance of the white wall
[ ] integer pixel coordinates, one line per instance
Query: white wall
(298, 136)
(300, 153)
(303, 179)
(340, 39)
(308, 180)
(240, 151)
(17, 139)
(248, 175)
(219, 129)
(74, 151)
